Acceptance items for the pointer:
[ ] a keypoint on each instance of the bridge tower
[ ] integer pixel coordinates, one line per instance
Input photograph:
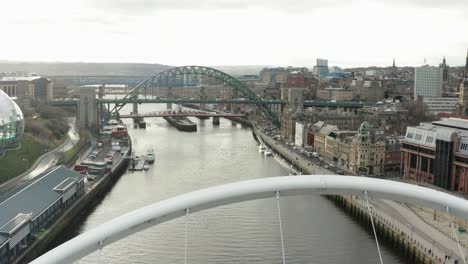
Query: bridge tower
(203, 96)
(87, 108)
(169, 96)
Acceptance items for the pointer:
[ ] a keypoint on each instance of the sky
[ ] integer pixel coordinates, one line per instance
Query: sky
(348, 33)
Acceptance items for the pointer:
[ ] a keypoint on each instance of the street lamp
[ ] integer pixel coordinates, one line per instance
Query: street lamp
(27, 163)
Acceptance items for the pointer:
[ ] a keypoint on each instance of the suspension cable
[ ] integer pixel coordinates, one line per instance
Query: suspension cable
(373, 227)
(456, 236)
(187, 211)
(280, 225)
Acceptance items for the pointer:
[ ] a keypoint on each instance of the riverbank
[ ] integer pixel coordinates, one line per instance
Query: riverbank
(422, 243)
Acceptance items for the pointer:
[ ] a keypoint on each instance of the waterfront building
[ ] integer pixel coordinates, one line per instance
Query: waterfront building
(288, 126)
(367, 151)
(427, 82)
(392, 160)
(33, 207)
(11, 122)
(320, 138)
(437, 153)
(359, 151)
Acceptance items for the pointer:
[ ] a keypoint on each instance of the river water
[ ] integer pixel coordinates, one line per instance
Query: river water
(315, 231)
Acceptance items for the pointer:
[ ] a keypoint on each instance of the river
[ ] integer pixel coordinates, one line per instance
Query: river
(315, 231)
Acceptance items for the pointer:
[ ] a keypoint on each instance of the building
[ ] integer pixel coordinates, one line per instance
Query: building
(320, 138)
(392, 120)
(427, 82)
(321, 68)
(437, 105)
(367, 151)
(87, 108)
(30, 87)
(392, 160)
(437, 153)
(367, 90)
(34, 207)
(359, 151)
(278, 75)
(337, 94)
(288, 126)
(11, 122)
(462, 105)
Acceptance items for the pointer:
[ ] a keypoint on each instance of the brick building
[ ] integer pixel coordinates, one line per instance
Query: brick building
(437, 153)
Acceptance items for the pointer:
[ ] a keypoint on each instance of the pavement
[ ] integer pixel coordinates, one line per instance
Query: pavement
(398, 215)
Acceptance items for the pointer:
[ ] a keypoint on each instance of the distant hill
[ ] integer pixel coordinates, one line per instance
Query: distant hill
(240, 70)
(117, 69)
(81, 68)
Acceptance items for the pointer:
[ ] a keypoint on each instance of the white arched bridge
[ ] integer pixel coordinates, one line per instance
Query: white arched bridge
(192, 202)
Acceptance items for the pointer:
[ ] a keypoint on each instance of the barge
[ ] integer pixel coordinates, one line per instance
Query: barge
(182, 123)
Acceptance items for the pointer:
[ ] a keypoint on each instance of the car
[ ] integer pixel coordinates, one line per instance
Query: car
(326, 166)
(339, 172)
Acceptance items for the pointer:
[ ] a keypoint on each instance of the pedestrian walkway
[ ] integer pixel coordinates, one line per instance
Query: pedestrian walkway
(399, 216)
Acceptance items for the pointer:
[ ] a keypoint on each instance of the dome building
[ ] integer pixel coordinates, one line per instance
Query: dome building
(11, 122)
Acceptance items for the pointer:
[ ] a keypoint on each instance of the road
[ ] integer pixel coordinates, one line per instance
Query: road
(43, 163)
(396, 213)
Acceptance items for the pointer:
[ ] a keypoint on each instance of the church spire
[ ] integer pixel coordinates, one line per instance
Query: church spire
(394, 62)
(466, 65)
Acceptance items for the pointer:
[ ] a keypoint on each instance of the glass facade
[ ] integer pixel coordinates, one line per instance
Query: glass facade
(11, 122)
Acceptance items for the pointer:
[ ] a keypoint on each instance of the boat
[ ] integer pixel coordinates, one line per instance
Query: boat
(261, 148)
(146, 166)
(182, 123)
(268, 152)
(150, 156)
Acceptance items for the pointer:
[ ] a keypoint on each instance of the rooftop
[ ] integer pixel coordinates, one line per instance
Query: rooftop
(453, 123)
(19, 78)
(35, 196)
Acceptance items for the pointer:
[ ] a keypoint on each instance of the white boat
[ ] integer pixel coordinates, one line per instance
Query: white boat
(146, 166)
(150, 156)
(261, 148)
(268, 152)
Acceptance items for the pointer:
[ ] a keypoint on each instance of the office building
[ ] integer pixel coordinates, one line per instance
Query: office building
(427, 82)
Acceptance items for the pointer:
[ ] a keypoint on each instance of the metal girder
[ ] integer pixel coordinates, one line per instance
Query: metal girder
(163, 78)
(163, 211)
(185, 101)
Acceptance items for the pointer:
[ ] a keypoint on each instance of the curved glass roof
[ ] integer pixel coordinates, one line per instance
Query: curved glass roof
(11, 121)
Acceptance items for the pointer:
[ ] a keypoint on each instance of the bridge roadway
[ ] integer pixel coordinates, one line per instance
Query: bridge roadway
(181, 114)
(343, 104)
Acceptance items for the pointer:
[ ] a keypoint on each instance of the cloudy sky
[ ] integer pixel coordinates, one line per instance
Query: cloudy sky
(236, 32)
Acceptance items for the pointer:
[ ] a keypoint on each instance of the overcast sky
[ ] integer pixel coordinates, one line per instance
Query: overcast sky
(236, 32)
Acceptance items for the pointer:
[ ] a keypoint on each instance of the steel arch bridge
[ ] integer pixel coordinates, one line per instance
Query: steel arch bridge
(160, 212)
(165, 77)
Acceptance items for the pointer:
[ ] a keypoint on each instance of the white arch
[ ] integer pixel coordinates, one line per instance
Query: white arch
(166, 210)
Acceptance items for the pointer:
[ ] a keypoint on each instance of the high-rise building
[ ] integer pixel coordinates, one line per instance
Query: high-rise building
(427, 82)
(321, 69)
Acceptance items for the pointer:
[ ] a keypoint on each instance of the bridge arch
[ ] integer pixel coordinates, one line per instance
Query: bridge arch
(228, 80)
(167, 210)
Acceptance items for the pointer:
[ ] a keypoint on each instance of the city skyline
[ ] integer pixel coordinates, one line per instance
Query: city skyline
(206, 32)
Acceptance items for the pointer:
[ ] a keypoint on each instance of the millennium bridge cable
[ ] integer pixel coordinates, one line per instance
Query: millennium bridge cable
(456, 236)
(373, 227)
(280, 226)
